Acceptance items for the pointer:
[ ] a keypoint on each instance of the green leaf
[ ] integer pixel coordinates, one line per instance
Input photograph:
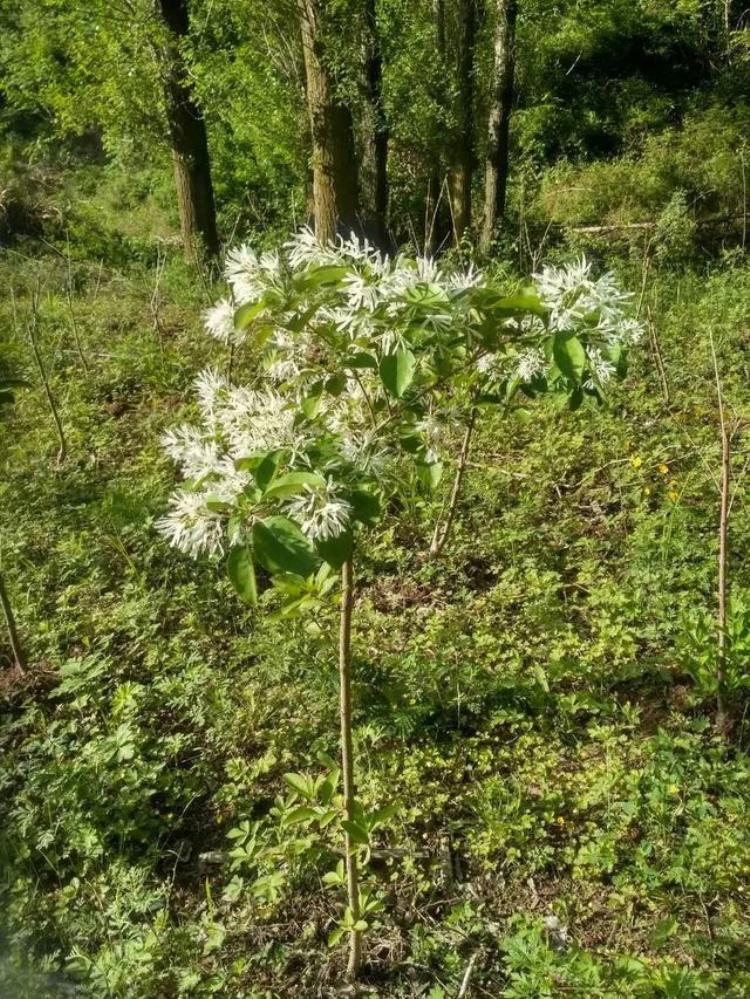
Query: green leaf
(329, 785)
(526, 301)
(336, 551)
(311, 402)
(246, 313)
(569, 355)
(315, 277)
(357, 833)
(293, 483)
(541, 677)
(384, 814)
(216, 505)
(430, 473)
(241, 572)
(575, 398)
(335, 935)
(280, 546)
(302, 814)
(336, 384)
(300, 783)
(361, 360)
(267, 468)
(489, 301)
(397, 371)
(366, 507)
(426, 294)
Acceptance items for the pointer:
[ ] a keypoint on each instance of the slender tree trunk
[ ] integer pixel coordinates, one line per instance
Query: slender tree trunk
(721, 718)
(15, 644)
(335, 182)
(443, 528)
(63, 449)
(503, 86)
(375, 159)
(187, 132)
(462, 159)
(347, 759)
(724, 508)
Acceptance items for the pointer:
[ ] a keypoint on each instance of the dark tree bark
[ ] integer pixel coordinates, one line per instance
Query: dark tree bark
(335, 181)
(462, 158)
(375, 158)
(503, 87)
(187, 133)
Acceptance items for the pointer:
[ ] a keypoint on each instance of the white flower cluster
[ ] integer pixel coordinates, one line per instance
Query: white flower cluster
(320, 304)
(375, 293)
(595, 309)
(575, 300)
(236, 422)
(321, 512)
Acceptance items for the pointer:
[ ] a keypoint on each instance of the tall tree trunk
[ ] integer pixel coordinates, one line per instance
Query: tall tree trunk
(335, 182)
(435, 180)
(187, 132)
(462, 159)
(503, 86)
(15, 645)
(375, 159)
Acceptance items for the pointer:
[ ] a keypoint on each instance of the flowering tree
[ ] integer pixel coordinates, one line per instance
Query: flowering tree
(363, 363)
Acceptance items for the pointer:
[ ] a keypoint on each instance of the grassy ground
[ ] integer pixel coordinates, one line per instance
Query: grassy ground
(538, 704)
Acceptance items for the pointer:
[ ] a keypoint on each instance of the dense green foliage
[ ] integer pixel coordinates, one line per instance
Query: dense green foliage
(537, 707)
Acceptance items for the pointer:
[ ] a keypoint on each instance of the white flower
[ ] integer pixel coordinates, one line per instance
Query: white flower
(601, 368)
(304, 249)
(361, 253)
(321, 512)
(460, 280)
(228, 483)
(578, 302)
(362, 449)
(195, 453)
(627, 332)
(210, 387)
(240, 269)
(530, 364)
(250, 275)
(254, 421)
(219, 322)
(361, 293)
(190, 525)
(432, 430)
(494, 366)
